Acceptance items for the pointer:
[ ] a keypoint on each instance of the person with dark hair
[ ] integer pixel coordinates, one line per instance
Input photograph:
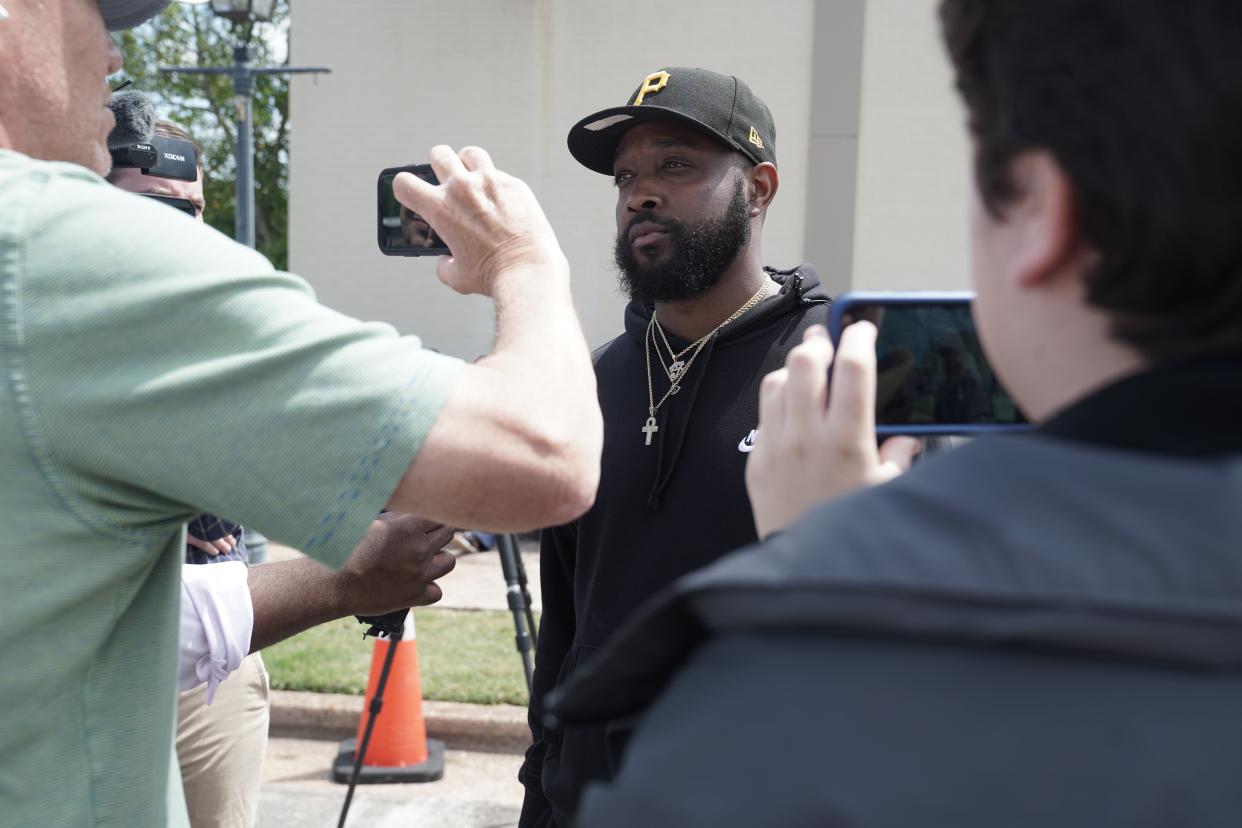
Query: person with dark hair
(692, 154)
(1027, 631)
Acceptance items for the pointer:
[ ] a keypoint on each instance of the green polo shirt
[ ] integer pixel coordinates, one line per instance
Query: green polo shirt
(152, 369)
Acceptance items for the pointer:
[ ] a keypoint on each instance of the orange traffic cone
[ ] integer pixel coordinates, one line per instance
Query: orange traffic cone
(398, 749)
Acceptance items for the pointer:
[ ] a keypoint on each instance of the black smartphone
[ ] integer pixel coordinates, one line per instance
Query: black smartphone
(183, 204)
(932, 374)
(403, 232)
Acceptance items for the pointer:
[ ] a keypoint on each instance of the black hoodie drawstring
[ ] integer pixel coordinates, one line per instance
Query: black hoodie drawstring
(663, 473)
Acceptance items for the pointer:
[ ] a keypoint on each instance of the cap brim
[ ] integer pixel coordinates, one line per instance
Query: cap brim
(126, 14)
(593, 140)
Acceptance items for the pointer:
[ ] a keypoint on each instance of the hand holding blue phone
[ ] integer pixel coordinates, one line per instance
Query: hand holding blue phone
(817, 442)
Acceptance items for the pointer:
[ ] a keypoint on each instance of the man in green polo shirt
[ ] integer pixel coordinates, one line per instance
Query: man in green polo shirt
(142, 356)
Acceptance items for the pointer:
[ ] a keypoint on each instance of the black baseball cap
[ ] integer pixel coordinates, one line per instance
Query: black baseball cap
(720, 105)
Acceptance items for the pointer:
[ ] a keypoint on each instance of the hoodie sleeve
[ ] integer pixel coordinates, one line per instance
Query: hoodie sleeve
(557, 628)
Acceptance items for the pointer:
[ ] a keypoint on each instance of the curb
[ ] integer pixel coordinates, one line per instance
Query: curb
(498, 728)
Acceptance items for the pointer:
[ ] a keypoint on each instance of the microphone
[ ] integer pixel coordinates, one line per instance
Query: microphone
(135, 120)
(130, 140)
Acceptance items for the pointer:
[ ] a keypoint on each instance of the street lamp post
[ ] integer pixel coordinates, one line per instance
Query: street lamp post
(245, 11)
(242, 12)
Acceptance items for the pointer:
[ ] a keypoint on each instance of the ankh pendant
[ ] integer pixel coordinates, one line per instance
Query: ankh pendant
(650, 428)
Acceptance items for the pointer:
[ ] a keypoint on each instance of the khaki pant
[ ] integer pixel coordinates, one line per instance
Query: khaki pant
(220, 747)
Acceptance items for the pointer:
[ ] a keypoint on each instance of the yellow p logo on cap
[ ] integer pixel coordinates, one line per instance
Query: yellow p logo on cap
(652, 84)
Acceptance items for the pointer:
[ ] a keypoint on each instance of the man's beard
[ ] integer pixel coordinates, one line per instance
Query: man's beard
(700, 255)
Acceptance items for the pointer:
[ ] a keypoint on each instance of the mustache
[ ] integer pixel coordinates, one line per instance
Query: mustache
(647, 215)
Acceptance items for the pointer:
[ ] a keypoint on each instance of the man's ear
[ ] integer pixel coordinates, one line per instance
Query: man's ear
(762, 182)
(1043, 220)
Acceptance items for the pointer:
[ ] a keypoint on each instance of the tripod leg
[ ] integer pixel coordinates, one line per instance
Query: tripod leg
(529, 604)
(377, 704)
(519, 603)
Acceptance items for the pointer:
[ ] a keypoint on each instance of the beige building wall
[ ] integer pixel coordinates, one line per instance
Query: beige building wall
(913, 157)
(832, 159)
(514, 75)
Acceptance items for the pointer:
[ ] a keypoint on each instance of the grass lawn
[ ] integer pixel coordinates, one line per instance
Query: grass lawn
(463, 656)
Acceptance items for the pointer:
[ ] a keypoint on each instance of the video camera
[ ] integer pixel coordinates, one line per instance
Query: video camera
(134, 143)
(160, 156)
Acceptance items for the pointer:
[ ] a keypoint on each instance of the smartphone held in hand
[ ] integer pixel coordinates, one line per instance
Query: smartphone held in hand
(401, 231)
(932, 376)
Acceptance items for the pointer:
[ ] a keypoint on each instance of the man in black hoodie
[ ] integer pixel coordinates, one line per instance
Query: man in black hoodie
(693, 158)
(1036, 630)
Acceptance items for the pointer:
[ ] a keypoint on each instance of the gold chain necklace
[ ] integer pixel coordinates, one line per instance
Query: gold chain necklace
(677, 366)
(677, 371)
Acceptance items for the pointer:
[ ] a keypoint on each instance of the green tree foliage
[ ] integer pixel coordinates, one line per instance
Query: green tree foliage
(203, 104)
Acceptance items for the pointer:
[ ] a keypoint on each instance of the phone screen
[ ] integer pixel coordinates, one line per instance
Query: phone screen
(932, 374)
(403, 232)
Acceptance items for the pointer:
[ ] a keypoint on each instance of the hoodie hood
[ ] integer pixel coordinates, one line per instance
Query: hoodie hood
(799, 287)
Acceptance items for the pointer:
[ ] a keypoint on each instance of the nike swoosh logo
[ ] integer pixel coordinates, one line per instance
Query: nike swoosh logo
(748, 443)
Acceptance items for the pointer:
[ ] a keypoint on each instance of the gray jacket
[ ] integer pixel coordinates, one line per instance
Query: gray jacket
(1024, 632)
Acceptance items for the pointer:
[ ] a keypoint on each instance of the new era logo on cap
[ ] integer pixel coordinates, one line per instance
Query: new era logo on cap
(720, 105)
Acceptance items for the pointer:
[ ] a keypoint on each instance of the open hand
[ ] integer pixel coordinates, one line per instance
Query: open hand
(489, 219)
(812, 445)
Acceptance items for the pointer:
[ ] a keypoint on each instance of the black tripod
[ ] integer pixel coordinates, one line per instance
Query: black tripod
(519, 601)
(392, 625)
(377, 703)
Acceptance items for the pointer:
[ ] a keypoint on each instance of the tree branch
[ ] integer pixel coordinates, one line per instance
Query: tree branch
(200, 47)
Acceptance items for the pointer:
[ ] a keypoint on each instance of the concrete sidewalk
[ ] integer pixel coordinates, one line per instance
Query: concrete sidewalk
(479, 790)
(478, 582)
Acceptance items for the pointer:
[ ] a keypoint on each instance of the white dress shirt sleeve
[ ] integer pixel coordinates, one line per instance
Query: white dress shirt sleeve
(217, 619)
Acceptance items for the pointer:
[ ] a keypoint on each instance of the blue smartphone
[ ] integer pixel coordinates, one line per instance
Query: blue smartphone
(932, 374)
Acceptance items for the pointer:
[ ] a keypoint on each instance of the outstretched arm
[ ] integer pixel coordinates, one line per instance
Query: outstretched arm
(517, 445)
(396, 566)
